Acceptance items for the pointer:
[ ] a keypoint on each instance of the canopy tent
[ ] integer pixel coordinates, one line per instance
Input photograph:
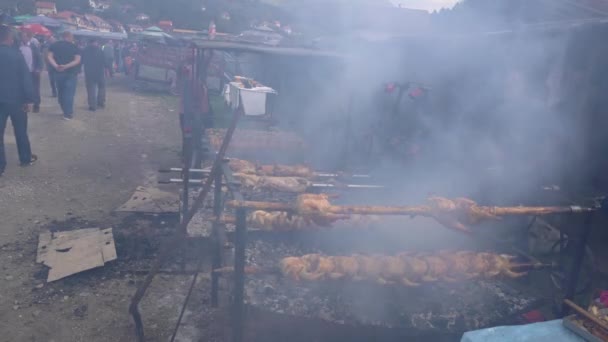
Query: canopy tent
(21, 18)
(156, 34)
(44, 21)
(99, 35)
(36, 29)
(153, 29)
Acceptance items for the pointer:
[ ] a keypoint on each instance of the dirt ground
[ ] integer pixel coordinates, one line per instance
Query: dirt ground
(87, 167)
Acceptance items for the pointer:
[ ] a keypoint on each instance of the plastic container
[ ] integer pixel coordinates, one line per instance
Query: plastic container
(254, 99)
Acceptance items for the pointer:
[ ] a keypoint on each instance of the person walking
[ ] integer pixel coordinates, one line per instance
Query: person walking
(64, 57)
(93, 60)
(50, 70)
(108, 51)
(16, 98)
(33, 59)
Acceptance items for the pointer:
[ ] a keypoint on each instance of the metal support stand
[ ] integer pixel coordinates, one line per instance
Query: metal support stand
(239, 274)
(579, 256)
(216, 239)
(178, 239)
(186, 177)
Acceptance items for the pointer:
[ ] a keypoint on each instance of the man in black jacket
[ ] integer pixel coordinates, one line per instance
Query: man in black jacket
(16, 97)
(93, 60)
(64, 56)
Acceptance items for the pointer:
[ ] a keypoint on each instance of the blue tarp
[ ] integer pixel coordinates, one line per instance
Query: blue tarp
(552, 331)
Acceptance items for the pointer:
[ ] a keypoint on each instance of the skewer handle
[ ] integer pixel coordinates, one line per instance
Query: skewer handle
(269, 206)
(537, 211)
(179, 169)
(585, 314)
(534, 265)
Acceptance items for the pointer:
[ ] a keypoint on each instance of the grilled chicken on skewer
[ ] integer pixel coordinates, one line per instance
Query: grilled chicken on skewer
(456, 214)
(245, 166)
(284, 184)
(280, 170)
(405, 269)
(284, 221)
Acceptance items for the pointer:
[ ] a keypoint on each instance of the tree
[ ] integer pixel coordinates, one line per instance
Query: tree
(17, 7)
(73, 5)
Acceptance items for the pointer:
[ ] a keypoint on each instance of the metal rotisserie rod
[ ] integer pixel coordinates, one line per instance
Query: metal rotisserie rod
(313, 185)
(277, 170)
(395, 210)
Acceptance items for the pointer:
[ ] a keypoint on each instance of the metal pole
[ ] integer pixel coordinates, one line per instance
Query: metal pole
(186, 177)
(579, 256)
(239, 275)
(217, 239)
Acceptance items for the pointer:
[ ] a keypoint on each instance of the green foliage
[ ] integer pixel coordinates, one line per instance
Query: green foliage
(17, 7)
(73, 5)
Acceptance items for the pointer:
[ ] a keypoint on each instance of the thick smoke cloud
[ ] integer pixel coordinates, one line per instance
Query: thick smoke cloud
(492, 114)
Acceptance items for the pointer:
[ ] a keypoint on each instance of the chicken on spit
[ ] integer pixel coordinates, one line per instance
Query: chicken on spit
(278, 170)
(455, 214)
(285, 184)
(285, 221)
(406, 269)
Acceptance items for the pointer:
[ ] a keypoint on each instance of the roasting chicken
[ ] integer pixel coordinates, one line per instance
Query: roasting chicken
(243, 166)
(404, 269)
(247, 167)
(283, 221)
(284, 184)
(287, 170)
(456, 214)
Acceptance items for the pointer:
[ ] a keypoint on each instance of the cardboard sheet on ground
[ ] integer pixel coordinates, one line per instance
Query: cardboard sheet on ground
(151, 200)
(71, 252)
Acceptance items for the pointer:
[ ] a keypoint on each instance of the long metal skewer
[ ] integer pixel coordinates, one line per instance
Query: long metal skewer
(314, 185)
(316, 174)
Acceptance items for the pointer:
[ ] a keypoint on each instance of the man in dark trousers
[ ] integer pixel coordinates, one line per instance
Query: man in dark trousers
(33, 60)
(16, 97)
(93, 60)
(51, 71)
(64, 57)
(108, 51)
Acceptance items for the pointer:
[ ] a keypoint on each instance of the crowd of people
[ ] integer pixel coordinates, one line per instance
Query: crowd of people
(22, 60)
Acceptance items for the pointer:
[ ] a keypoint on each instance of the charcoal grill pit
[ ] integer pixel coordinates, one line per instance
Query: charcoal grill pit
(437, 308)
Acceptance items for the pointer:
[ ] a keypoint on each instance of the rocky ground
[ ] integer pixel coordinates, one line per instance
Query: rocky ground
(87, 168)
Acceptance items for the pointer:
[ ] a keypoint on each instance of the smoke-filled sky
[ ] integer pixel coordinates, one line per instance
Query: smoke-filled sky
(429, 5)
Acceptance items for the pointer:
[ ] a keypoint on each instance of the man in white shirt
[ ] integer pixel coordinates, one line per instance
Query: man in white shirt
(33, 59)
